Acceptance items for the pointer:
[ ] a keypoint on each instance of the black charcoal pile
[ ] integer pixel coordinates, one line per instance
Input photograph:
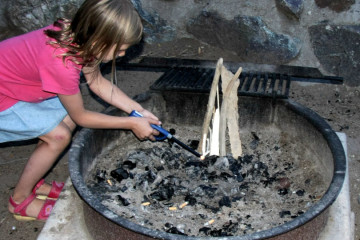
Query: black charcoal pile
(165, 188)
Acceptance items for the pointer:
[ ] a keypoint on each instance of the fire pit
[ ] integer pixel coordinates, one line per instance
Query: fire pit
(299, 139)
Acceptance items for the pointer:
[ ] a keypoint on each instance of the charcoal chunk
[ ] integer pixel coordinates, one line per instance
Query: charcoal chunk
(123, 201)
(100, 175)
(217, 233)
(225, 201)
(284, 213)
(210, 191)
(191, 200)
(151, 176)
(123, 188)
(205, 230)
(244, 186)
(211, 159)
(159, 168)
(196, 164)
(174, 230)
(230, 228)
(194, 144)
(119, 174)
(170, 228)
(225, 175)
(300, 193)
(283, 191)
(165, 192)
(246, 159)
(129, 165)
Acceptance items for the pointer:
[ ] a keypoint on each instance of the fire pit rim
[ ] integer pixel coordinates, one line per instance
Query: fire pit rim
(328, 198)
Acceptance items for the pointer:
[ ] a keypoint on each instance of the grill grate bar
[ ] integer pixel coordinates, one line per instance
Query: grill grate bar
(272, 84)
(257, 82)
(265, 81)
(191, 79)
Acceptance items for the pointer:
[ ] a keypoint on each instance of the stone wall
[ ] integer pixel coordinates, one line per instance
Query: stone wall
(316, 33)
(20, 16)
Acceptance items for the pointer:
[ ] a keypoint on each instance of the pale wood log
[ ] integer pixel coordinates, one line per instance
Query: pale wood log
(214, 134)
(232, 116)
(210, 107)
(224, 109)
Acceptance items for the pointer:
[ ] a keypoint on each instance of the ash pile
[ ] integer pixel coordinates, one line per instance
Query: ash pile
(167, 189)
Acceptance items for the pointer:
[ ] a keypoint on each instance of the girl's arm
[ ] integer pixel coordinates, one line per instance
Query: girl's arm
(75, 108)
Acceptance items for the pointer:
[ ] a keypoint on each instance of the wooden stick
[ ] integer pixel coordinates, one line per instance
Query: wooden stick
(210, 106)
(224, 108)
(232, 116)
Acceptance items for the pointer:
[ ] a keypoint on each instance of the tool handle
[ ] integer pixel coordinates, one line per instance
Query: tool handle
(163, 133)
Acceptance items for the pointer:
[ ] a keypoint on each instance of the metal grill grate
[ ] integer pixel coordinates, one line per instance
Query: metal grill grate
(199, 79)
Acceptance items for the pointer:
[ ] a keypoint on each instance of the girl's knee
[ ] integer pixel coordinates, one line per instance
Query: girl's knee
(60, 136)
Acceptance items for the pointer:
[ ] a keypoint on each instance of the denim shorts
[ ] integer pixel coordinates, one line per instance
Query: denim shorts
(25, 120)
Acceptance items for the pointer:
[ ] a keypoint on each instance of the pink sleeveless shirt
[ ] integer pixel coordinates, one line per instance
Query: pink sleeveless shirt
(31, 71)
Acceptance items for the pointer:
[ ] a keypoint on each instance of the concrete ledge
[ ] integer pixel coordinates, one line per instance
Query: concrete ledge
(66, 221)
(341, 221)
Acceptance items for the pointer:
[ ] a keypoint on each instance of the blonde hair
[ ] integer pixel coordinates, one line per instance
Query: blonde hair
(96, 28)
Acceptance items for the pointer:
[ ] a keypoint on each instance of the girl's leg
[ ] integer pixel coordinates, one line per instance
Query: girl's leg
(46, 188)
(42, 159)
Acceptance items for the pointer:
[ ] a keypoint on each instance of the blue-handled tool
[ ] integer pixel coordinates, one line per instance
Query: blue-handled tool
(165, 134)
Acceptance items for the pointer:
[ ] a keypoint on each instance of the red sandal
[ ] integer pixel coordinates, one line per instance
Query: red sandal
(20, 209)
(55, 191)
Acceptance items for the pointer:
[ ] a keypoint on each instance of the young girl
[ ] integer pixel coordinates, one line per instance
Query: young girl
(40, 96)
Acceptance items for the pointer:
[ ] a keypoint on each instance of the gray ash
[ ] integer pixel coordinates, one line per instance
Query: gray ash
(224, 196)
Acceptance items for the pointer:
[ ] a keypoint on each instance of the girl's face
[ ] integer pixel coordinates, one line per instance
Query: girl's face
(120, 53)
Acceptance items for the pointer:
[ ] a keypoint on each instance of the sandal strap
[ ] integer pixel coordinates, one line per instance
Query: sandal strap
(56, 188)
(38, 185)
(21, 207)
(46, 209)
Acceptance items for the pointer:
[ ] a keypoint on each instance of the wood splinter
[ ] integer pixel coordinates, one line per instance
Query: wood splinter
(227, 116)
(209, 222)
(172, 208)
(109, 182)
(204, 144)
(183, 205)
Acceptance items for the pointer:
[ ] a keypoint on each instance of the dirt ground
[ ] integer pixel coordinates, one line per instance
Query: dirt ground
(338, 104)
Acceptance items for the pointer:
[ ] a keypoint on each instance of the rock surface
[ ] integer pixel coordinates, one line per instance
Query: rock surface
(338, 49)
(292, 8)
(247, 36)
(22, 16)
(335, 5)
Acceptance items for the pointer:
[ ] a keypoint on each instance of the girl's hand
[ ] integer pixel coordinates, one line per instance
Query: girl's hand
(142, 129)
(148, 114)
